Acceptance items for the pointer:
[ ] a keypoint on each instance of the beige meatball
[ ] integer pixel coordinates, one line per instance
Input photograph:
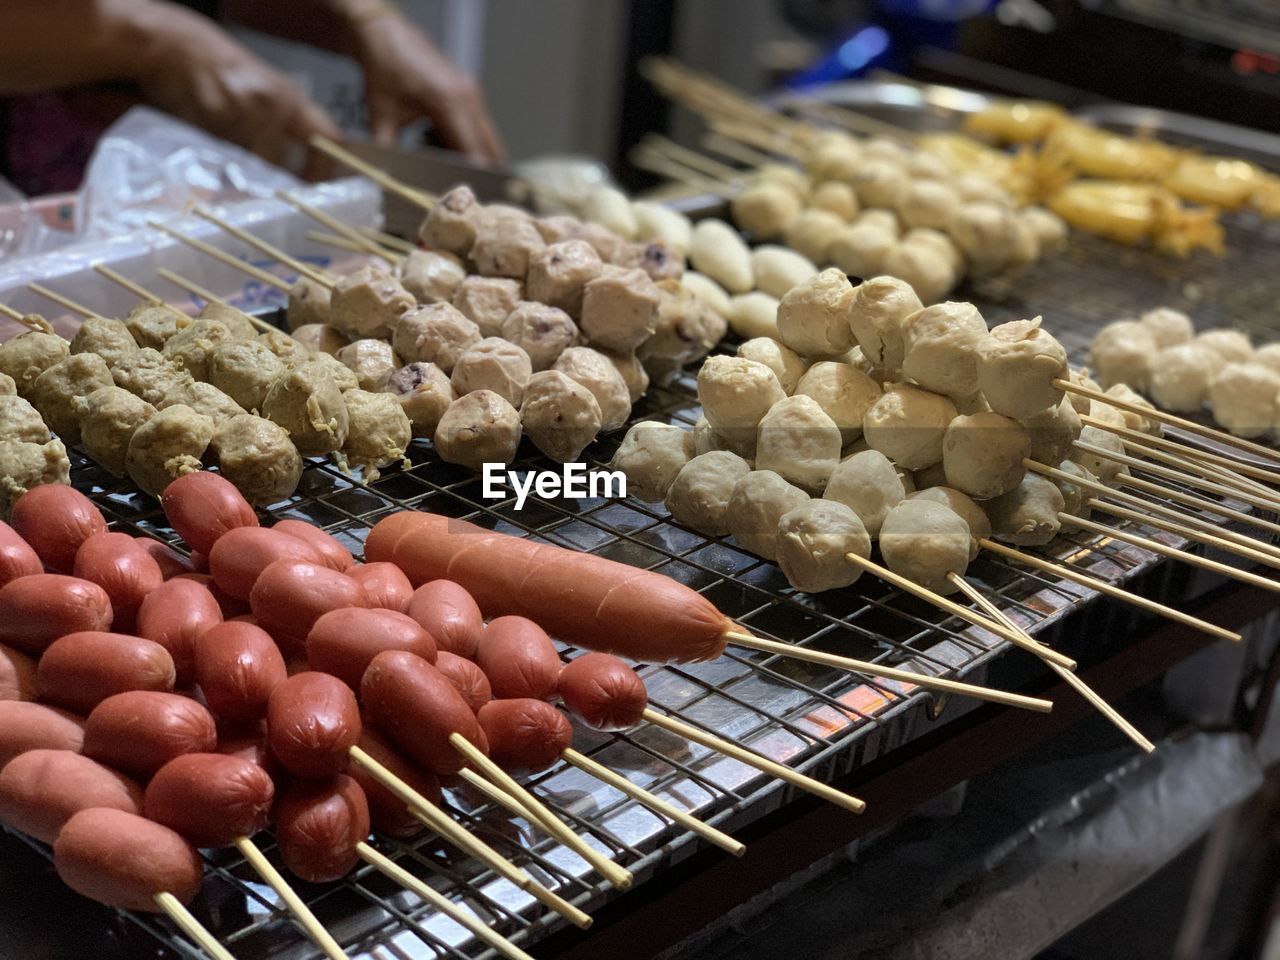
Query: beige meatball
(1233, 346)
(108, 419)
(797, 440)
(1106, 413)
(778, 269)
(258, 457)
(368, 303)
(1082, 379)
(1242, 395)
(1049, 229)
(789, 176)
(321, 338)
(758, 502)
(843, 391)
(306, 402)
(735, 394)
(837, 198)
(925, 542)
(379, 432)
(987, 233)
(25, 465)
(785, 363)
(372, 361)
(699, 496)
(717, 250)
(1169, 327)
(451, 222)
(707, 438)
(965, 508)
(559, 415)
(754, 314)
(542, 332)
(979, 187)
(234, 319)
(869, 485)
(686, 331)
(26, 356)
(431, 275)
(632, 371)
(244, 370)
(284, 346)
(436, 333)
(19, 420)
(147, 374)
(108, 338)
(494, 364)
(660, 223)
(813, 318)
(658, 260)
(593, 370)
(619, 310)
(1180, 376)
(152, 325)
(477, 429)
(813, 232)
(940, 348)
(609, 207)
(650, 456)
(1076, 492)
(880, 307)
(191, 347)
(504, 247)
(764, 210)
(941, 244)
(1052, 432)
(203, 398)
(343, 377)
(1106, 467)
(1018, 364)
(487, 301)
(558, 227)
(1028, 515)
(1133, 420)
(167, 446)
(929, 203)
(309, 302)
(1122, 353)
(880, 183)
(424, 393)
(882, 148)
(832, 160)
(982, 454)
(908, 425)
(559, 273)
(54, 392)
(1268, 356)
(860, 248)
(929, 272)
(710, 293)
(813, 542)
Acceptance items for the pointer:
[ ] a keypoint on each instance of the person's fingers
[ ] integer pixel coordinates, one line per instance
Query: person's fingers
(384, 124)
(310, 119)
(495, 149)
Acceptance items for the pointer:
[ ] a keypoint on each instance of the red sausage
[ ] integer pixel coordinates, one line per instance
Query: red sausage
(37, 610)
(467, 678)
(55, 519)
(519, 659)
(525, 736)
(115, 562)
(449, 614)
(229, 605)
(240, 555)
(588, 601)
(418, 708)
(140, 731)
(211, 799)
(603, 692)
(17, 559)
(81, 670)
(291, 595)
(17, 675)
(385, 584)
(171, 562)
(313, 721)
(34, 726)
(343, 642)
(329, 549)
(174, 615)
(238, 665)
(318, 825)
(122, 860)
(202, 506)
(389, 813)
(42, 789)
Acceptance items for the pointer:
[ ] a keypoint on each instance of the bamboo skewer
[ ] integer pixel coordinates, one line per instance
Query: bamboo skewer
(755, 137)
(390, 240)
(752, 759)
(1208, 539)
(849, 119)
(337, 226)
(1109, 589)
(332, 240)
(11, 313)
(380, 177)
(64, 302)
(300, 911)
(664, 166)
(178, 280)
(708, 166)
(1209, 473)
(231, 260)
(1108, 711)
(267, 249)
(615, 874)
(185, 921)
(923, 680)
(139, 291)
(735, 150)
(1186, 450)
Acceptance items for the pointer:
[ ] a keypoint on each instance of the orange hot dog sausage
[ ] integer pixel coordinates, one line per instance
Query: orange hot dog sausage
(37, 610)
(202, 506)
(418, 708)
(115, 562)
(468, 679)
(385, 585)
(519, 659)
(329, 549)
(42, 789)
(174, 615)
(237, 666)
(291, 595)
(313, 721)
(123, 860)
(171, 562)
(449, 614)
(34, 726)
(240, 555)
(55, 520)
(525, 735)
(318, 825)
(344, 642)
(17, 559)
(81, 670)
(387, 811)
(210, 798)
(17, 675)
(588, 601)
(603, 692)
(140, 731)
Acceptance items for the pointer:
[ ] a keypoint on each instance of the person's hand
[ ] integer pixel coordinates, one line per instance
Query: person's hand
(194, 70)
(407, 78)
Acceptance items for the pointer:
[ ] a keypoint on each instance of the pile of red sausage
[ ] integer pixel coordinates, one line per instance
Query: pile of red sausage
(152, 703)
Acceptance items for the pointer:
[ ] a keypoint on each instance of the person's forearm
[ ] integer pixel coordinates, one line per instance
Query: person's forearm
(327, 24)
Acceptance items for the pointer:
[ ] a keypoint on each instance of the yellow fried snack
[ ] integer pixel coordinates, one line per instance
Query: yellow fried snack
(1137, 213)
(1015, 121)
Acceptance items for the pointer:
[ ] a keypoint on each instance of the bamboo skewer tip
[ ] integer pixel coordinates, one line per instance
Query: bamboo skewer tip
(300, 911)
